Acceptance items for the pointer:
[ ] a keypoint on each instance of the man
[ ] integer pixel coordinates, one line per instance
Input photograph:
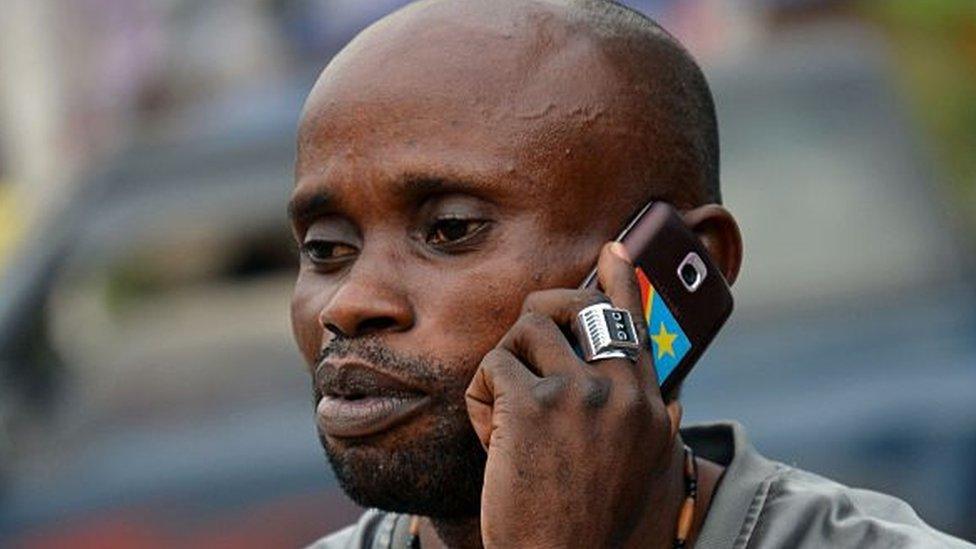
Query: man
(460, 166)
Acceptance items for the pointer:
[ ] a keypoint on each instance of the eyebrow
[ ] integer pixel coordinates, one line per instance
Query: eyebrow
(306, 207)
(414, 187)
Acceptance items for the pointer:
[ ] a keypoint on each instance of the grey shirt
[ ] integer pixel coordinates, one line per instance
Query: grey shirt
(759, 503)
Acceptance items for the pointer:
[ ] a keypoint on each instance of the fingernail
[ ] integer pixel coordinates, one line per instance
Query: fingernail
(618, 250)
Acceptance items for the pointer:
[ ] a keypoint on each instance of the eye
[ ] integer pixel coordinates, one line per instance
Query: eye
(324, 252)
(449, 231)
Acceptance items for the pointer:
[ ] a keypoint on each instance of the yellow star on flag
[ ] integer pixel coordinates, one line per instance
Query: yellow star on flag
(664, 341)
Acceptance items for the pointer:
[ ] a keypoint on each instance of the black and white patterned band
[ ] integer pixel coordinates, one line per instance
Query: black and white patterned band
(606, 332)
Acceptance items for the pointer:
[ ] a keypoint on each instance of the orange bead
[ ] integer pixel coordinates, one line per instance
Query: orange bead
(415, 525)
(685, 519)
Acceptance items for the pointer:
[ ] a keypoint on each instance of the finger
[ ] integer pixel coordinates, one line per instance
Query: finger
(541, 345)
(561, 305)
(619, 280)
(500, 377)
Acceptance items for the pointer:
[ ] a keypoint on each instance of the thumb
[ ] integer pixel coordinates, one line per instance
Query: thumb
(617, 278)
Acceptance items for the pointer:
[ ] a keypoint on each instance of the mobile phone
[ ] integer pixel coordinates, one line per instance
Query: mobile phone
(685, 297)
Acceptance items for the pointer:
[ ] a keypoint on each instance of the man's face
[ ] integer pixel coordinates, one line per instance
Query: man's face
(441, 175)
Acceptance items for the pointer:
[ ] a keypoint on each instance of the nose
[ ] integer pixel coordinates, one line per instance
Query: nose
(369, 301)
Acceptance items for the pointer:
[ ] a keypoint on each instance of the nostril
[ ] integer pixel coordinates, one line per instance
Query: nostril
(375, 324)
(336, 330)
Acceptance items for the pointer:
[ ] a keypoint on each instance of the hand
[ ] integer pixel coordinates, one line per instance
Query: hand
(575, 450)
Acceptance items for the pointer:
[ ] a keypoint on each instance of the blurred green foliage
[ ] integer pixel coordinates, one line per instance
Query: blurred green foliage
(935, 45)
(130, 283)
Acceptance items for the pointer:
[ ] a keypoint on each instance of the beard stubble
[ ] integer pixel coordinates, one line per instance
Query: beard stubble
(439, 472)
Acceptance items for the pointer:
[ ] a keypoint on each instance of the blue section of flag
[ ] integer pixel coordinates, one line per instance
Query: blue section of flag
(668, 341)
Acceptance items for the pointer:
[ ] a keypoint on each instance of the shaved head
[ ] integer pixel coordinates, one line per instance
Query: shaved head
(675, 86)
(645, 91)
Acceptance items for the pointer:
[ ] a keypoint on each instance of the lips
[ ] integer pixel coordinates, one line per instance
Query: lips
(357, 400)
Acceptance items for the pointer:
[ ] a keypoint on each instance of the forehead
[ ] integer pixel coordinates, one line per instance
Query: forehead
(490, 95)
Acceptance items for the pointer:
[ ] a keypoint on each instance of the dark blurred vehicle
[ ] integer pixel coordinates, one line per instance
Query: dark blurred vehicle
(153, 391)
(154, 396)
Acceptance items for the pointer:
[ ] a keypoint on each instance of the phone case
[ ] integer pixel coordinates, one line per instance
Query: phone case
(681, 321)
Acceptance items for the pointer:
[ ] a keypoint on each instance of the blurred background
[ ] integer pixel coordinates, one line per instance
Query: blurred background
(150, 395)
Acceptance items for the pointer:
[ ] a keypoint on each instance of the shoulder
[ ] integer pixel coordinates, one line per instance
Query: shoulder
(802, 509)
(760, 503)
(373, 529)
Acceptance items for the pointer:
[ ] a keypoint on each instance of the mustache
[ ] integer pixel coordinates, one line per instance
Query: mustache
(418, 371)
(372, 350)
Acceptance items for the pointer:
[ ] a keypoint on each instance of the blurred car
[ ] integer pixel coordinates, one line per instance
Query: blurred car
(155, 398)
(145, 337)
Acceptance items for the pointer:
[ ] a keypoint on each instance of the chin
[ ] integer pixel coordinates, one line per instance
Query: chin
(432, 467)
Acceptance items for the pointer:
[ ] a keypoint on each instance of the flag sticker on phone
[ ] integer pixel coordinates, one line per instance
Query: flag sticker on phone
(669, 343)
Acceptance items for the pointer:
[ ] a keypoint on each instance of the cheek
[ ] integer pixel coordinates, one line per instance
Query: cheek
(467, 321)
(306, 302)
(468, 312)
(480, 313)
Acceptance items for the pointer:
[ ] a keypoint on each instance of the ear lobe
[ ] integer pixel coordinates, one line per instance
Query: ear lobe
(719, 233)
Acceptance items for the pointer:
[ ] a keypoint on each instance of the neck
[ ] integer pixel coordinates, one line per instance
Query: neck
(460, 533)
(659, 521)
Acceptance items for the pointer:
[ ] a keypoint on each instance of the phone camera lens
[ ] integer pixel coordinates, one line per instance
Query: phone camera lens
(692, 271)
(689, 274)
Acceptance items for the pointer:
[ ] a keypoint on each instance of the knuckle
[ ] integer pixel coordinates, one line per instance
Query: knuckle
(529, 303)
(531, 323)
(534, 300)
(534, 321)
(654, 413)
(493, 356)
(549, 391)
(494, 359)
(595, 391)
(633, 403)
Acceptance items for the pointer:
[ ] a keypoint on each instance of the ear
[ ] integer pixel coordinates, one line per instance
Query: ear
(718, 231)
(674, 415)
